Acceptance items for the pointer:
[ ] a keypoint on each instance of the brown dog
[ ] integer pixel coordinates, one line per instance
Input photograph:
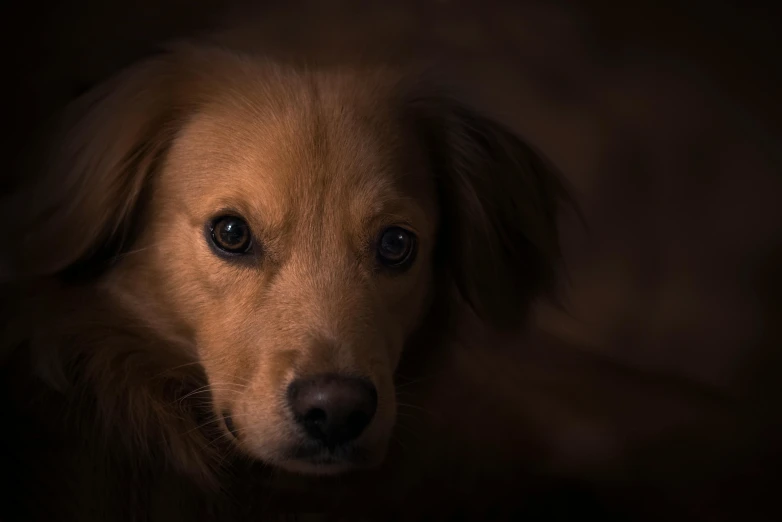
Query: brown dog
(229, 253)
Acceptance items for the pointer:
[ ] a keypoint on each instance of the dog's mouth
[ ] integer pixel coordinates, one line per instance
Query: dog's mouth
(315, 458)
(319, 459)
(319, 453)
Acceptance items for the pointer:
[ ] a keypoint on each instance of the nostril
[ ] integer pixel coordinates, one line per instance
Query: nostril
(315, 417)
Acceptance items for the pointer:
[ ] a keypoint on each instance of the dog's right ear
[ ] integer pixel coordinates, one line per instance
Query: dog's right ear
(501, 201)
(84, 185)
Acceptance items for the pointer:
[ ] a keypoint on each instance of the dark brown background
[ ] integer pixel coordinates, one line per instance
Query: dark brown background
(665, 120)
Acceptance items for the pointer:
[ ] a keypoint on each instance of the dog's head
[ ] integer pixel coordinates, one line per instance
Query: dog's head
(290, 228)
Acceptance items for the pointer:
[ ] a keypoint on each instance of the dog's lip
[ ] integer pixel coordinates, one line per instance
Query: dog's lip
(316, 454)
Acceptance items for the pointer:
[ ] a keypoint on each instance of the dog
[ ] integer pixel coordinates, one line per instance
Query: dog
(227, 257)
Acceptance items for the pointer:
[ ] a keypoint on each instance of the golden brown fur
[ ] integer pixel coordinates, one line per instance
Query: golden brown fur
(141, 336)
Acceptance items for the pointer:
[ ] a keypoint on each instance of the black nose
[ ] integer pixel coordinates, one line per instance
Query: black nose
(333, 409)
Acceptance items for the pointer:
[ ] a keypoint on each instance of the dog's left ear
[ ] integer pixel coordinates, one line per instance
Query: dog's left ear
(86, 178)
(500, 204)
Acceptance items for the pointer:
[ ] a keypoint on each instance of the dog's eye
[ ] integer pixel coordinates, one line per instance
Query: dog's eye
(396, 247)
(231, 235)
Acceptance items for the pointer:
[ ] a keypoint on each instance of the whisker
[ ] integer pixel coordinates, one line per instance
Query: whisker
(136, 251)
(409, 430)
(414, 407)
(174, 368)
(210, 388)
(196, 428)
(396, 439)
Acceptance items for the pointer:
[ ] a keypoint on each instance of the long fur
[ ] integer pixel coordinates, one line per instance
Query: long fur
(130, 386)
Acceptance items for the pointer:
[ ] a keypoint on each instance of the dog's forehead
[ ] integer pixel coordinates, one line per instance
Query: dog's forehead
(309, 142)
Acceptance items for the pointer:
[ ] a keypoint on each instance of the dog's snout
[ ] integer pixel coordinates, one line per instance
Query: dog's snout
(333, 409)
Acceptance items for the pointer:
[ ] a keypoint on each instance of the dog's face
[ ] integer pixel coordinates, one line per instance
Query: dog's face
(295, 241)
(291, 229)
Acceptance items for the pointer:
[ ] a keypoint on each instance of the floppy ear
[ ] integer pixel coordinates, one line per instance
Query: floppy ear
(500, 201)
(86, 183)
